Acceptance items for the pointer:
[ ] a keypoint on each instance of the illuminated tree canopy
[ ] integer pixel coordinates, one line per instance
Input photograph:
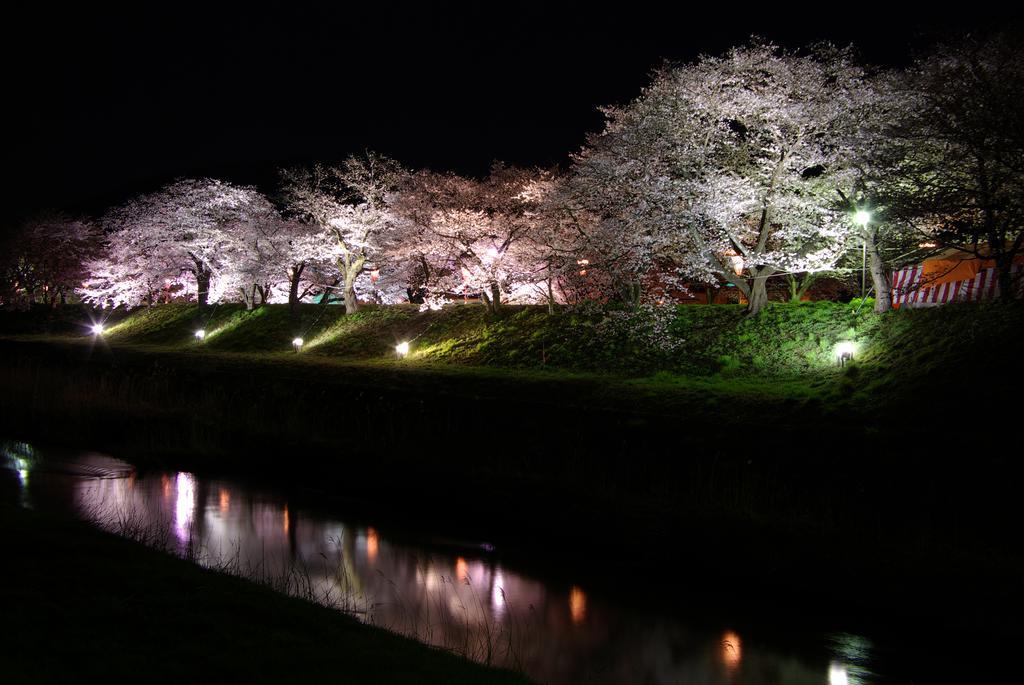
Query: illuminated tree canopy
(726, 171)
(726, 168)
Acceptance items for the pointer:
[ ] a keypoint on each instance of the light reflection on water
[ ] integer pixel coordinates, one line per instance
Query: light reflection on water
(465, 601)
(184, 506)
(732, 651)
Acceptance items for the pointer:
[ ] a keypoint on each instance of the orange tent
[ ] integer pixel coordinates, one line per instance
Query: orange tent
(952, 265)
(951, 275)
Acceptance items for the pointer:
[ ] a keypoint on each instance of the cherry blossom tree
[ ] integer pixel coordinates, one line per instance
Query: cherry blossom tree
(272, 259)
(561, 241)
(473, 237)
(350, 204)
(178, 237)
(727, 167)
(606, 192)
(44, 258)
(280, 260)
(309, 270)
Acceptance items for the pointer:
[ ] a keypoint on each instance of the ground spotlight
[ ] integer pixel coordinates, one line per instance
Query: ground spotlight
(297, 344)
(844, 352)
(402, 349)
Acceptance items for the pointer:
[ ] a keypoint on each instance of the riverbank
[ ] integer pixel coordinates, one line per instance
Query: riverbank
(82, 605)
(863, 489)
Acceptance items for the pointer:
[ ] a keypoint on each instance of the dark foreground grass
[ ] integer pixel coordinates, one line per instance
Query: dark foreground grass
(80, 605)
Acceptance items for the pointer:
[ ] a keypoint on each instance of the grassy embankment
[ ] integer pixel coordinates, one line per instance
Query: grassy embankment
(787, 351)
(84, 606)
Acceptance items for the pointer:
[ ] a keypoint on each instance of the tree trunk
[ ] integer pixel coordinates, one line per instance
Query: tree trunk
(631, 291)
(880, 278)
(249, 297)
(1004, 275)
(350, 269)
(202, 287)
(328, 292)
(493, 300)
(757, 297)
(351, 304)
(293, 295)
(551, 297)
(294, 279)
(798, 286)
(495, 297)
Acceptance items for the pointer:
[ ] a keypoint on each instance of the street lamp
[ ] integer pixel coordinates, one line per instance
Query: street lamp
(862, 217)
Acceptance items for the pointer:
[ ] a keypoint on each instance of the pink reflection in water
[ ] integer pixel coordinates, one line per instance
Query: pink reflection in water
(184, 506)
(499, 603)
(732, 650)
(577, 605)
(467, 603)
(372, 545)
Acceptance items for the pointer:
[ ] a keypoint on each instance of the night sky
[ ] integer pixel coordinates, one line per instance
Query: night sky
(105, 104)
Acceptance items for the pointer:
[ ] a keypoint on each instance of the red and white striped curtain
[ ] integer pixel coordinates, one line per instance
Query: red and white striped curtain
(908, 291)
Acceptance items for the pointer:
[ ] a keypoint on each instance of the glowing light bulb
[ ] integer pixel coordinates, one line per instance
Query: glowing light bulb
(862, 217)
(200, 334)
(97, 329)
(297, 344)
(402, 349)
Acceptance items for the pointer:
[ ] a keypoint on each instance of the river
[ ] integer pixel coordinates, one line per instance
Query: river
(459, 595)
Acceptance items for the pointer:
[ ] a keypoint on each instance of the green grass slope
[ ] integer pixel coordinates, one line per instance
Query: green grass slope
(902, 352)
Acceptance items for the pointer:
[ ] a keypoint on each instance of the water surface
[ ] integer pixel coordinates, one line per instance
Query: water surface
(459, 596)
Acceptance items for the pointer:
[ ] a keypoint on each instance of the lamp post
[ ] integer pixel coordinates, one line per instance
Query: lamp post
(862, 217)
